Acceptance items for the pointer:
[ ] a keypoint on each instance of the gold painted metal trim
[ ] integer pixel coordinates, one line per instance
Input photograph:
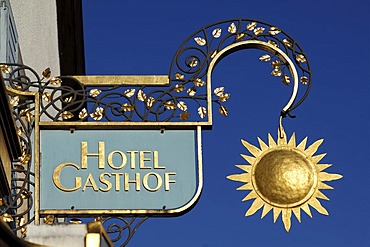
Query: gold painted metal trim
(135, 80)
(252, 44)
(144, 212)
(97, 228)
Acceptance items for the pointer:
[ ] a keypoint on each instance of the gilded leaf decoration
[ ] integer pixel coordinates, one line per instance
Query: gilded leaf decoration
(55, 81)
(14, 101)
(185, 115)
(129, 92)
(232, 28)
(46, 73)
(67, 115)
(199, 82)
(216, 33)
(179, 88)
(259, 30)
(150, 101)
(265, 58)
(200, 41)
(127, 107)
(141, 95)
(182, 106)
(223, 111)
(5, 69)
(179, 76)
(202, 111)
(285, 79)
(304, 80)
(219, 91)
(46, 96)
(82, 114)
(274, 31)
(191, 91)
(169, 105)
(95, 92)
(251, 26)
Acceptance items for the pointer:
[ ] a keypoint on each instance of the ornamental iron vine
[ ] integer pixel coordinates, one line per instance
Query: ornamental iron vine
(189, 90)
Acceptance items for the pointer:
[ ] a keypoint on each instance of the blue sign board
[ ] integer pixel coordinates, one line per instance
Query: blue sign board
(134, 171)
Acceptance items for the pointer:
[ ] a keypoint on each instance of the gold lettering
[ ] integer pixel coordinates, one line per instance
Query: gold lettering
(132, 158)
(167, 180)
(155, 164)
(118, 184)
(90, 182)
(136, 181)
(100, 155)
(105, 182)
(123, 157)
(146, 182)
(143, 159)
(56, 178)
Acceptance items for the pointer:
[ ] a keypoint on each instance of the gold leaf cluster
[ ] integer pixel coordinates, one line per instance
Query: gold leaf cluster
(5, 69)
(14, 101)
(129, 92)
(95, 92)
(127, 107)
(98, 114)
(199, 82)
(169, 105)
(67, 115)
(179, 88)
(150, 101)
(232, 28)
(200, 41)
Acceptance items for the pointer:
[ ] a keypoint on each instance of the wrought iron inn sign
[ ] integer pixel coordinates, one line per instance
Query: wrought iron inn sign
(131, 145)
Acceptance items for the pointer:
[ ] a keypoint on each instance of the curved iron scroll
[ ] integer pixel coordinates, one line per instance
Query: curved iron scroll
(189, 89)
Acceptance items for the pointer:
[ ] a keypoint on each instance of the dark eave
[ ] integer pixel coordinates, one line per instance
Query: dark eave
(70, 37)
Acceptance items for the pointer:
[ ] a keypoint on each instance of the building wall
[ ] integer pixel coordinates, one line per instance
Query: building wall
(36, 22)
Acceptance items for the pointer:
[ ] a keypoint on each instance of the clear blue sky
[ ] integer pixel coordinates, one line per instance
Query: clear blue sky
(141, 37)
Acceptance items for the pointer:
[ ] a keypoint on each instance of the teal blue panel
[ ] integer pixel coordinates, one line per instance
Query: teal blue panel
(176, 152)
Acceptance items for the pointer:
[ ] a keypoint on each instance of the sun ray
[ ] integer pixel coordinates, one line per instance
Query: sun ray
(306, 209)
(282, 140)
(313, 147)
(248, 158)
(297, 213)
(262, 144)
(302, 145)
(324, 176)
(250, 196)
(247, 186)
(252, 149)
(322, 186)
(243, 177)
(272, 142)
(286, 215)
(246, 168)
(276, 212)
(319, 194)
(317, 205)
(292, 141)
(257, 204)
(266, 208)
(316, 159)
(322, 167)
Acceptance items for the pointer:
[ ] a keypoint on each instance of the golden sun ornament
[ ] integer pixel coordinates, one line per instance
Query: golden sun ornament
(284, 177)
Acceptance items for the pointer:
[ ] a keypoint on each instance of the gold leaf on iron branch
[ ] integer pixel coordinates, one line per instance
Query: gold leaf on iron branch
(55, 81)
(29, 117)
(150, 102)
(216, 33)
(285, 79)
(98, 114)
(46, 73)
(259, 30)
(202, 111)
(7, 218)
(232, 28)
(193, 63)
(46, 96)
(129, 92)
(68, 99)
(191, 91)
(240, 36)
(169, 105)
(200, 41)
(276, 72)
(141, 95)
(304, 80)
(127, 107)
(287, 42)
(223, 110)
(67, 115)
(214, 53)
(265, 58)
(271, 42)
(14, 101)
(276, 64)
(179, 76)
(300, 58)
(219, 91)
(94, 92)
(182, 106)
(185, 115)
(224, 97)
(251, 26)
(179, 88)
(199, 82)
(5, 69)
(82, 114)
(274, 30)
